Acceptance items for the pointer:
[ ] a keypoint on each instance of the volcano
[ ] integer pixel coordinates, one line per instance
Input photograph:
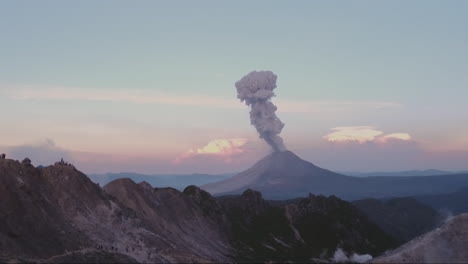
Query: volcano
(283, 175)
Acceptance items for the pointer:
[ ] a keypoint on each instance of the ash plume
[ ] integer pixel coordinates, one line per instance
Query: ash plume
(256, 90)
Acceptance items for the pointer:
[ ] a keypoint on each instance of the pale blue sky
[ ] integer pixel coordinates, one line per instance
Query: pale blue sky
(398, 66)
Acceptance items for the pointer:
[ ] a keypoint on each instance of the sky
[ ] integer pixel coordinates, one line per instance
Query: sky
(148, 86)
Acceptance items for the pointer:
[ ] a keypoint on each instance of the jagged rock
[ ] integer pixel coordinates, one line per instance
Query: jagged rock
(207, 203)
(176, 217)
(26, 162)
(3, 156)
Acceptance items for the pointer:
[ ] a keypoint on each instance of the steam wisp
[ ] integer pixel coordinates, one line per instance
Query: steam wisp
(256, 90)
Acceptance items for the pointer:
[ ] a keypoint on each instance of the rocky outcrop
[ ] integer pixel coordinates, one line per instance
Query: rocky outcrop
(26, 162)
(446, 244)
(178, 218)
(56, 214)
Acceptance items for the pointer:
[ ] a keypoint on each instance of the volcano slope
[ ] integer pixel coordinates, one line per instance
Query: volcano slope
(56, 214)
(283, 175)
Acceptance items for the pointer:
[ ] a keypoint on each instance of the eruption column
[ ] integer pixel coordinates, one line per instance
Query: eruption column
(256, 90)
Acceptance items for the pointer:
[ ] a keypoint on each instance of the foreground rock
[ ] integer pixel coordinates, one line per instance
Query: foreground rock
(303, 230)
(56, 214)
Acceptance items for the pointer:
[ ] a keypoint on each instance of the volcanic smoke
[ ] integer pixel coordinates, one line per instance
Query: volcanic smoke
(256, 89)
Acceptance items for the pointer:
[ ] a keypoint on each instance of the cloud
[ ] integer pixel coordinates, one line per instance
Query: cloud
(136, 96)
(218, 156)
(224, 149)
(41, 153)
(354, 156)
(394, 136)
(362, 134)
(359, 134)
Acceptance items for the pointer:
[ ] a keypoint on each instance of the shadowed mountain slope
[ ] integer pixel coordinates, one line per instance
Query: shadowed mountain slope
(403, 218)
(300, 230)
(450, 203)
(446, 244)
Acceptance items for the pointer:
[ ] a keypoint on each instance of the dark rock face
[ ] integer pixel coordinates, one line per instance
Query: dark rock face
(56, 214)
(33, 219)
(302, 230)
(184, 224)
(26, 162)
(323, 222)
(402, 218)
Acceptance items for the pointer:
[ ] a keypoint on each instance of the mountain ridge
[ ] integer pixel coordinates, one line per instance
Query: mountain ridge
(177, 181)
(57, 214)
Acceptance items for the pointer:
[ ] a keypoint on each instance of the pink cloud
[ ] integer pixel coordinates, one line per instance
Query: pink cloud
(394, 136)
(223, 149)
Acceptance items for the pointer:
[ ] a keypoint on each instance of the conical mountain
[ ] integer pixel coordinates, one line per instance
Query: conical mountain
(283, 175)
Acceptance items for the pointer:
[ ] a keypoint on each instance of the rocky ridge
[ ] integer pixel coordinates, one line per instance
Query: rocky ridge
(56, 214)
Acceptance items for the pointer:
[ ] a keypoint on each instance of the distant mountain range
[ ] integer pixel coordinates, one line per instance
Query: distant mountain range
(177, 181)
(180, 181)
(403, 173)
